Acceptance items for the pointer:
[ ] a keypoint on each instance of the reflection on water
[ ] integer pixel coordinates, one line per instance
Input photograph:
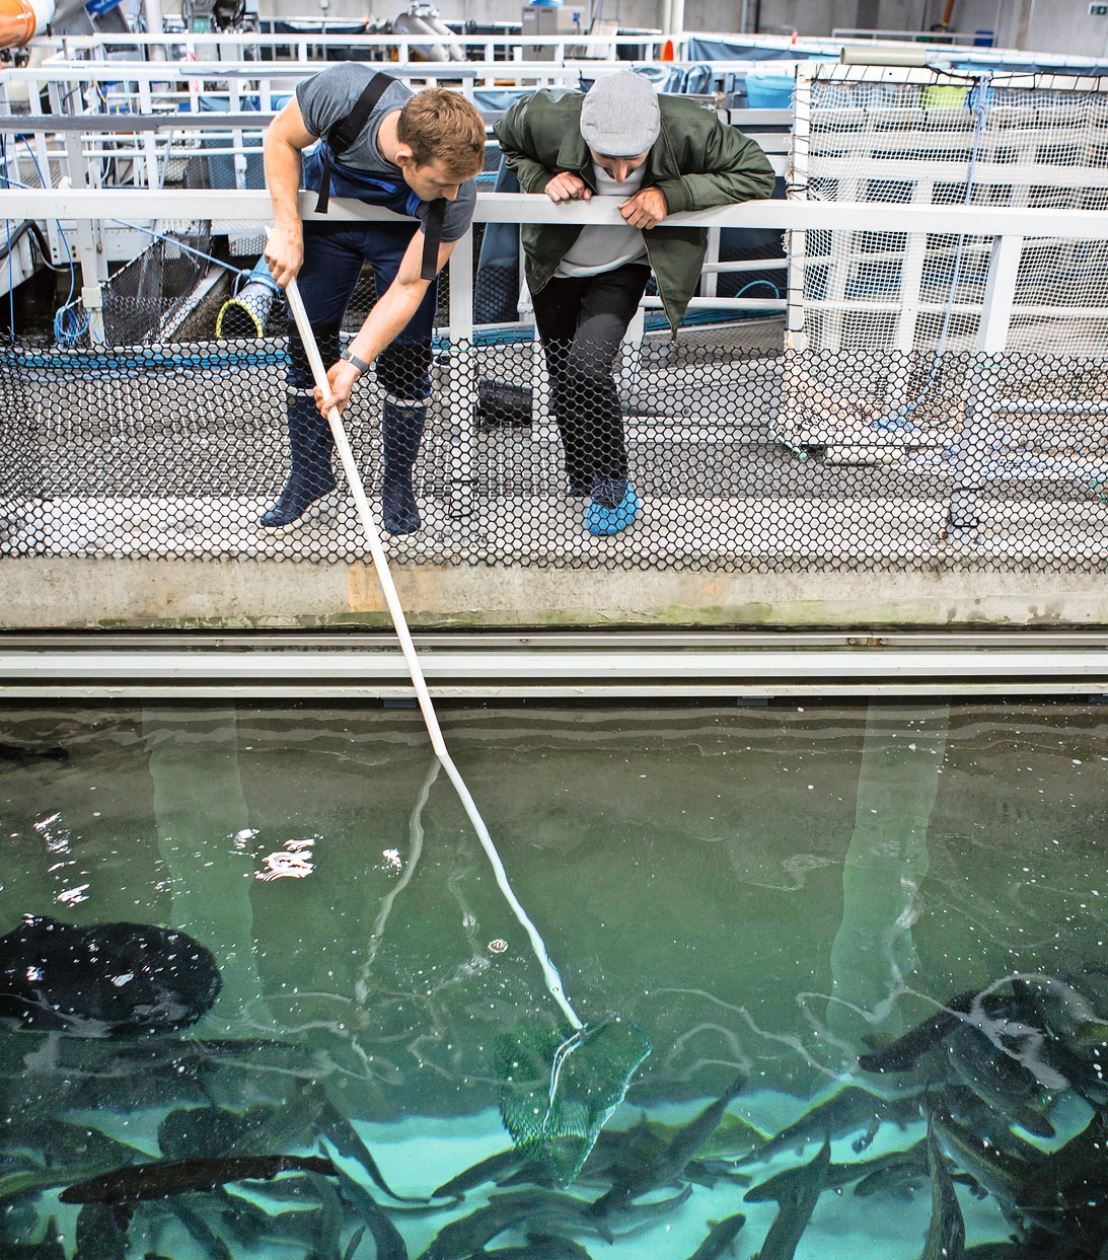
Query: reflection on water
(868, 948)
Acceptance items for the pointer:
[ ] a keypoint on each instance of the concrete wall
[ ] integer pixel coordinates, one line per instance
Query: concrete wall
(99, 594)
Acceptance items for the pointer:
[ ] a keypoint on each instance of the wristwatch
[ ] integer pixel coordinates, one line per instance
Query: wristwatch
(360, 364)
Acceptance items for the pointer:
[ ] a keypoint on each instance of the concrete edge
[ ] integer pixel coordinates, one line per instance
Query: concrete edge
(103, 594)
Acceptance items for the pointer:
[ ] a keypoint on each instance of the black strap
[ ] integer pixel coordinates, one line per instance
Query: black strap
(342, 135)
(432, 238)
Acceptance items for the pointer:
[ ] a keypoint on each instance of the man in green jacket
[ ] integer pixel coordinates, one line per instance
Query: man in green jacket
(659, 155)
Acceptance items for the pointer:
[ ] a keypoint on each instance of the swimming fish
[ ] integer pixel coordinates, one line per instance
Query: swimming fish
(851, 1109)
(539, 1247)
(49, 1249)
(720, 1237)
(206, 1132)
(999, 1171)
(101, 1233)
(463, 1238)
(674, 1157)
(796, 1209)
(490, 1169)
(387, 1238)
(161, 1178)
(901, 1055)
(347, 1141)
(24, 754)
(998, 1079)
(946, 1232)
(1073, 1172)
(880, 1173)
(106, 980)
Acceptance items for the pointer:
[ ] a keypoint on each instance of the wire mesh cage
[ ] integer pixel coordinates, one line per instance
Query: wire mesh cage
(914, 137)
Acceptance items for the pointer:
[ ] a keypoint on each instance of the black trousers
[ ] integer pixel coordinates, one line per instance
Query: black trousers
(581, 322)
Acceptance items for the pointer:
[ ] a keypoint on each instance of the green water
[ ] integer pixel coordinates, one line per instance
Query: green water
(769, 891)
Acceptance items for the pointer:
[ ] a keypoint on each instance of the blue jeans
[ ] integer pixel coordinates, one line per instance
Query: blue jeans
(333, 257)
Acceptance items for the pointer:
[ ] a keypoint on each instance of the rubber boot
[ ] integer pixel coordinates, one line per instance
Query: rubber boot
(310, 447)
(401, 433)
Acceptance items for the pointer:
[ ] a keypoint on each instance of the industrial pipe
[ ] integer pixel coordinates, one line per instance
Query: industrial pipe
(22, 20)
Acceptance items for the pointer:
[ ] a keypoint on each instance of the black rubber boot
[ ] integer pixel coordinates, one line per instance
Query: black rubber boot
(310, 447)
(401, 432)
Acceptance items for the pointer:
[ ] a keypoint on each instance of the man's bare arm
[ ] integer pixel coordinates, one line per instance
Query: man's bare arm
(285, 137)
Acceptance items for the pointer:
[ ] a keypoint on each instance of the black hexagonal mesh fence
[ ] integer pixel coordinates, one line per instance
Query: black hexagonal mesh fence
(692, 454)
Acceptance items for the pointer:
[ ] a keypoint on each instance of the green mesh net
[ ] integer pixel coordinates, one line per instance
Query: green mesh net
(559, 1086)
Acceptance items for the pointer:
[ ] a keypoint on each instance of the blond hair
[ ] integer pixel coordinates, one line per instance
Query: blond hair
(439, 125)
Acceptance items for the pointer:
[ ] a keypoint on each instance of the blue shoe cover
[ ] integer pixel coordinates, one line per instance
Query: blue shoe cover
(605, 521)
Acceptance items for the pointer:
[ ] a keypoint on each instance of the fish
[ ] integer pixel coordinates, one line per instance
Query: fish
(1073, 1172)
(354, 1243)
(898, 1174)
(946, 1232)
(161, 1178)
(464, 1237)
(796, 1209)
(999, 1171)
(734, 1137)
(1073, 1006)
(972, 1112)
(387, 1238)
(540, 1247)
(206, 1132)
(25, 754)
(838, 1175)
(21, 1182)
(720, 1237)
(101, 1233)
(674, 1157)
(998, 1079)
(852, 1108)
(490, 1169)
(213, 1247)
(345, 1139)
(49, 1249)
(106, 980)
(902, 1054)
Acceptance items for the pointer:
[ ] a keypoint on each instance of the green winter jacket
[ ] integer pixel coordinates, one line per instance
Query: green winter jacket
(698, 162)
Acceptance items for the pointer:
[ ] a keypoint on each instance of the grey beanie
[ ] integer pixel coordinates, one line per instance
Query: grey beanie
(620, 116)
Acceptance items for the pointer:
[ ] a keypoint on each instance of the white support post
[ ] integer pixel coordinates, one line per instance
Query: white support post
(463, 380)
(711, 275)
(237, 142)
(90, 252)
(152, 13)
(1000, 292)
(982, 437)
(149, 139)
(911, 281)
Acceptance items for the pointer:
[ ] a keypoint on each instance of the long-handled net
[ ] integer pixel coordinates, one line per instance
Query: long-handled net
(559, 1082)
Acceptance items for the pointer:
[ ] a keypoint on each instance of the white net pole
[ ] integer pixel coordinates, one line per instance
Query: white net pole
(415, 670)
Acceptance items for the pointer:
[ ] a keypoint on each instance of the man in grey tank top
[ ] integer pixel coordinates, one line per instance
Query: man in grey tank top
(349, 132)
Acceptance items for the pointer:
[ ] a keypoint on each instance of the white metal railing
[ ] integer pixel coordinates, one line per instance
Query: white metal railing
(848, 33)
(235, 45)
(1007, 227)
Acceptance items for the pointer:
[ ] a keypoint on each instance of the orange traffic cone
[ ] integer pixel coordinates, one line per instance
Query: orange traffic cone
(667, 51)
